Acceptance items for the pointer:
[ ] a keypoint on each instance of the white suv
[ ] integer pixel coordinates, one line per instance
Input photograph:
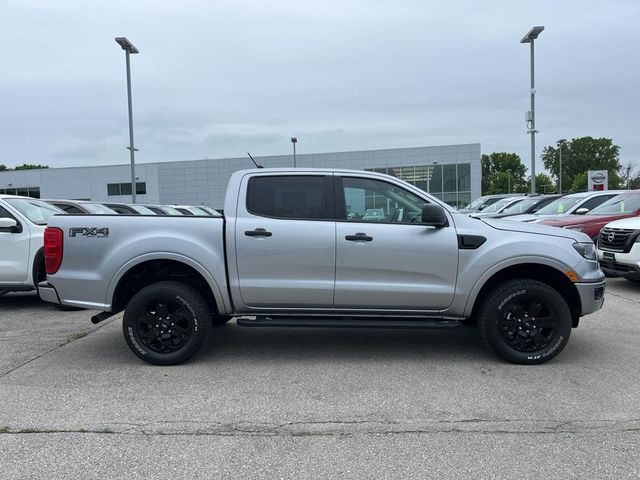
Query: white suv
(22, 224)
(619, 248)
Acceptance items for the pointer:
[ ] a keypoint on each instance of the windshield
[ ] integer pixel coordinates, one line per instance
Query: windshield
(210, 211)
(98, 209)
(142, 210)
(171, 211)
(481, 203)
(197, 212)
(499, 205)
(521, 206)
(476, 204)
(36, 211)
(560, 205)
(626, 203)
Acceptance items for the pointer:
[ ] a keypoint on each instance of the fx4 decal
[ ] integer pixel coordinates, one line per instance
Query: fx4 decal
(89, 232)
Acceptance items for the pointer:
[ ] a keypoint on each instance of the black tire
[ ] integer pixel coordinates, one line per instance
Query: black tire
(219, 320)
(166, 323)
(525, 321)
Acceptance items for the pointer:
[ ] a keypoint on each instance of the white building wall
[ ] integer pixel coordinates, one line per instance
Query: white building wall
(198, 182)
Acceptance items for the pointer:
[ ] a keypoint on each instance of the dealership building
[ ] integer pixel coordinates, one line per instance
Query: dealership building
(451, 173)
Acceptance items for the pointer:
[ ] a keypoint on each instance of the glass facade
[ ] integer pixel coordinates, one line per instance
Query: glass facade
(125, 188)
(33, 192)
(450, 183)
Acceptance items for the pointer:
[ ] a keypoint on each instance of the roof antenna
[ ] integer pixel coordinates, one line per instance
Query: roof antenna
(254, 161)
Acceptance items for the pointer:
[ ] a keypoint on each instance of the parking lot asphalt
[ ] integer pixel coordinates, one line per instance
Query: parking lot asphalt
(315, 403)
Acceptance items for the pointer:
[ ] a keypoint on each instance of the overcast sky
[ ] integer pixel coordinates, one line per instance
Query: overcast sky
(218, 78)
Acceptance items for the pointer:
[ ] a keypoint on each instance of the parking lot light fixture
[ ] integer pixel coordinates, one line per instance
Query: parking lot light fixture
(294, 140)
(130, 48)
(530, 38)
(560, 143)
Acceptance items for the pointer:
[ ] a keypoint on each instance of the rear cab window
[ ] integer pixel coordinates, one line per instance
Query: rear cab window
(302, 197)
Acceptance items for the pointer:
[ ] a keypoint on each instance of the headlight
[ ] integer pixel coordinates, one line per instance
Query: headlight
(575, 229)
(587, 250)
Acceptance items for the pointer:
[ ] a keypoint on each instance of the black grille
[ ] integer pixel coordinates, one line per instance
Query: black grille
(617, 239)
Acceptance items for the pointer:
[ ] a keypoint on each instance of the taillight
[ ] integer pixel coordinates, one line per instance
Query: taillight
(52, 249)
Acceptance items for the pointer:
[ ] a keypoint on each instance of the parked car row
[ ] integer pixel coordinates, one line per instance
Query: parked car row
(109, 208)
(611, 218)
(22, 224)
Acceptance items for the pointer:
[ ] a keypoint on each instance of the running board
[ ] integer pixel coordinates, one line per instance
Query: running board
(349, 322)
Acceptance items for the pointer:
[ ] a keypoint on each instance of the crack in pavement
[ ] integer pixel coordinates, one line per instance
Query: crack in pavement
(344, 428)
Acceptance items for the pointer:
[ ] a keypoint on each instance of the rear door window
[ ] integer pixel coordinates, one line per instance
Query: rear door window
(303, 197)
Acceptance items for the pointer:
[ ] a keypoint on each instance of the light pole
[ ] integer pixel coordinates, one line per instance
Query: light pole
(129, 48)
(509, 180)
(560, 143)
(294, 140)
(531, 114)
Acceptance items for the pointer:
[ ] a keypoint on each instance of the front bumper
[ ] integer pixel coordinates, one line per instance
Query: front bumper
(591, 296)
(48, 293)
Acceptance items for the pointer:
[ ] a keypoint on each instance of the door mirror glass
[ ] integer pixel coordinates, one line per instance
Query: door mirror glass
(581, 211)
(433, 215)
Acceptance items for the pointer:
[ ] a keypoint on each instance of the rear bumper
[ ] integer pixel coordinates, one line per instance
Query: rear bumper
(48, 293)
(591, 296)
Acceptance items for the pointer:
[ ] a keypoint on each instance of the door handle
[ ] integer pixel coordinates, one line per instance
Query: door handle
(359, 237)
(258, 232)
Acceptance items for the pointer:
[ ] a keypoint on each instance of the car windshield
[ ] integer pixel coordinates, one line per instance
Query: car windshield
(98, 209)
(197, 212)
(209, 211)
(476, 204)
(521, 206)
(559, 206)
(36, 211)
(171, 211)
(499, 205)
(625, 203)
(142, 210)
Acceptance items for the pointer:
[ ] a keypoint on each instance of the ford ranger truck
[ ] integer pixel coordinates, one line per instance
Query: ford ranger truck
(298, 247)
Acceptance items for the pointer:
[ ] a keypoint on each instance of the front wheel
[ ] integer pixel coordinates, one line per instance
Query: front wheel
(525, 321)
(166, 323)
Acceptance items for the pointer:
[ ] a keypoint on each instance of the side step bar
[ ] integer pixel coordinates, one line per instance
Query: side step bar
(347, 322)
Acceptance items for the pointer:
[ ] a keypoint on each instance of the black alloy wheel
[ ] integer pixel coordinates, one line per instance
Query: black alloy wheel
(528, 323)
(164, 326)
(166, 323)
(525, 321)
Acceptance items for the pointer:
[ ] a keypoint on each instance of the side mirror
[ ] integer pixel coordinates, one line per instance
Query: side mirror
(8, 224)
(581, 211)
(433, 216)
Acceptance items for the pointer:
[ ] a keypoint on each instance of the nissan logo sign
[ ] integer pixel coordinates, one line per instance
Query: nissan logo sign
(598, 177)
(611, 237)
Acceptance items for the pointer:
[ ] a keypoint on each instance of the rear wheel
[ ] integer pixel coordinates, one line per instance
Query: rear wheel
(525, 321)
(166, 323)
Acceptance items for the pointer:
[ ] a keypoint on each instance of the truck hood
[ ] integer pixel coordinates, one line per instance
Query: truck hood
(524, 227)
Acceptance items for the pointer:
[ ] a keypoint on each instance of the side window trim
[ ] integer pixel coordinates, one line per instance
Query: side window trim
(329, 214)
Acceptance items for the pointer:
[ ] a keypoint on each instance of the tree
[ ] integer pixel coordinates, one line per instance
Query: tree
(30, 166)
(580, 155)
(544, 183)
(3, 167)
(495, 172)
(629, 176)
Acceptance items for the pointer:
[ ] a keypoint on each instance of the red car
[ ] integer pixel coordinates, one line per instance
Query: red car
(621, 206)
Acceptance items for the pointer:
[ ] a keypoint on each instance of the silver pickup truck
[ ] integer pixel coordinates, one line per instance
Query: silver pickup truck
(300, 247)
